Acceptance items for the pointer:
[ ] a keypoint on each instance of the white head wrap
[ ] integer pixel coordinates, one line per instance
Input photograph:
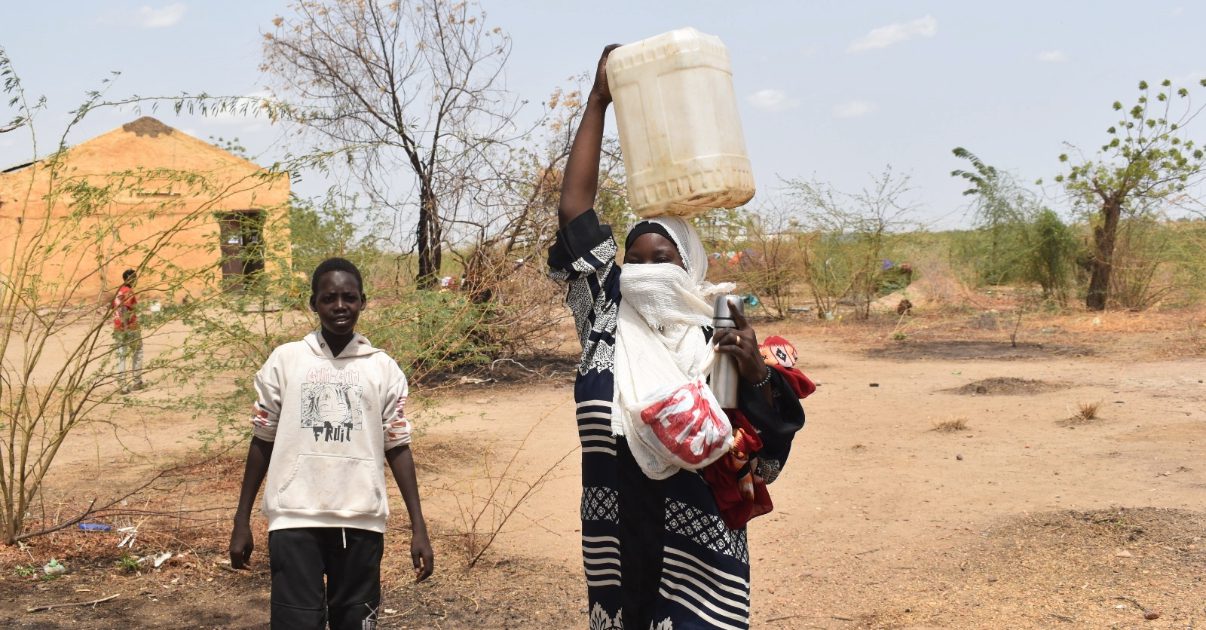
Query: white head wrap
(691, 249)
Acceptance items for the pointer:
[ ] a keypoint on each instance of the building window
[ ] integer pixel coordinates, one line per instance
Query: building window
(241, 240)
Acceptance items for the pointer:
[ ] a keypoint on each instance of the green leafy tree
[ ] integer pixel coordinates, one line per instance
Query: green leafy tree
(1027, 241)
(1050, 255)
(1148, 158)
(1000, 206)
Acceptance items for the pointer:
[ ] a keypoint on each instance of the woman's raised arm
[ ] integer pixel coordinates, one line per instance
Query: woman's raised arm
(581, 181)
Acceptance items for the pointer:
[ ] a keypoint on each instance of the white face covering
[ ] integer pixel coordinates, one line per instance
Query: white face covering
(664, 295)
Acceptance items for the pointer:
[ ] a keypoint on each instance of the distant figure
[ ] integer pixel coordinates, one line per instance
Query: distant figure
(127, 338)
(905, 307)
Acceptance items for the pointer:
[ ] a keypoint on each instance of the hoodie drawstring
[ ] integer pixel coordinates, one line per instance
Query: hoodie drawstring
(344, 532)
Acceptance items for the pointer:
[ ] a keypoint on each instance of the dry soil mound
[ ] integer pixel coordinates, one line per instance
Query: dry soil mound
(1007, 386)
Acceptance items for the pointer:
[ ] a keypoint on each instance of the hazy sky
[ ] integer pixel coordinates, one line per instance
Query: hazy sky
(828, 90)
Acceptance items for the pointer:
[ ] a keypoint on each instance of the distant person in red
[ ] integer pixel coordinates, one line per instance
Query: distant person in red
(127, 338)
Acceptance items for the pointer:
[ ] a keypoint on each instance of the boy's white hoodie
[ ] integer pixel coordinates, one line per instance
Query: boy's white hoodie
(331, 419)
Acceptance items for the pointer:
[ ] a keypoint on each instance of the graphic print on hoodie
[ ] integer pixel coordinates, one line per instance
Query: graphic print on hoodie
(330, 419)
(330, 404)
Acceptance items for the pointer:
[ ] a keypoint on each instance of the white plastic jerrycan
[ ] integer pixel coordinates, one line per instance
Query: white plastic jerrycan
(684, 152)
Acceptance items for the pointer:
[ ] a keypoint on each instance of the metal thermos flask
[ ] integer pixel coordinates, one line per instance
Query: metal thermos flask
(724, 368)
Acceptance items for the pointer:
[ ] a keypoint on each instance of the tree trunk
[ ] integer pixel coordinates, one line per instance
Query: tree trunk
(1100, 267)
(427, 236)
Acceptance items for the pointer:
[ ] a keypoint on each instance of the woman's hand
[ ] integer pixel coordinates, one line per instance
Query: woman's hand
(601, 91)
(741, 343)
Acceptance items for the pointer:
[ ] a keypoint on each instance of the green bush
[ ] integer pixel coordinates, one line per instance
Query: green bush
(1186, 243)
(431, 331)
(894, 277)
(1050, 253)
(995, 255)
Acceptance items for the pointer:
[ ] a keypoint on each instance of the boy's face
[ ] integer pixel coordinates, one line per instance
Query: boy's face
(338, 302)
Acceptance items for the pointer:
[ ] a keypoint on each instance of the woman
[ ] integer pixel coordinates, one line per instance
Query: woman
(656, 548)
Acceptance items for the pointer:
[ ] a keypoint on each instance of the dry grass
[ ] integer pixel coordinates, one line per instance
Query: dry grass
(1085, 413)
(936, 333)
(1151, 320)
(188, 514)
(187, 511)
(953, 425)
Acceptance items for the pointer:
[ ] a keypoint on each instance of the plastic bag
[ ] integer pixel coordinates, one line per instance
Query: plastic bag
(685, 425)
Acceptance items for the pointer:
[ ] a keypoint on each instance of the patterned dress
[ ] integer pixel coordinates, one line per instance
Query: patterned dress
(656, 552)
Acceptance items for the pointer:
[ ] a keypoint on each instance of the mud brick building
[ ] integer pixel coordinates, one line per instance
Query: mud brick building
(194, 217)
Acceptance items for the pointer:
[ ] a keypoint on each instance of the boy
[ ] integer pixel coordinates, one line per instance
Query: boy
(328, 416)
(127, 338)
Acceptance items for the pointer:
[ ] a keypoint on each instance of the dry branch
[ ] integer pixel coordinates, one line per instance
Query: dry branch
(67, 605)
(104, 510)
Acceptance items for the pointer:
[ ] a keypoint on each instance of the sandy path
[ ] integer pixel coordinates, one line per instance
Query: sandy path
(872, 499)
(871, 494)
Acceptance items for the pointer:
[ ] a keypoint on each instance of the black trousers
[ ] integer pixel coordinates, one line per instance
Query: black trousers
(351, 561)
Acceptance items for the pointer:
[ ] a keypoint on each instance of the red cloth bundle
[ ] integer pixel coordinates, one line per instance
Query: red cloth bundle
(740, 494)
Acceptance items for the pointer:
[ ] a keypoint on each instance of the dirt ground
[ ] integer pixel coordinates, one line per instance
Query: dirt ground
(940, 482)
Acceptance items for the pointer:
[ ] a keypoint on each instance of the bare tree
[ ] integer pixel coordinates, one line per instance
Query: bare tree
(508, 220)
(851, 232)
(509, 206)
(409, 87)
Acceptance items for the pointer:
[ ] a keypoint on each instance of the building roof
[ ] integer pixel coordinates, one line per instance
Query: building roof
(150, 140)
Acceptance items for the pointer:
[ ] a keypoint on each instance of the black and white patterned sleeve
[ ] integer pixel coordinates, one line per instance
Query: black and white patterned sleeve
(584, 257)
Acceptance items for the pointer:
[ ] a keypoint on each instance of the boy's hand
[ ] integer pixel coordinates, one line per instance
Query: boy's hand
(241, 544)
(421, 555)
(601, 91)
